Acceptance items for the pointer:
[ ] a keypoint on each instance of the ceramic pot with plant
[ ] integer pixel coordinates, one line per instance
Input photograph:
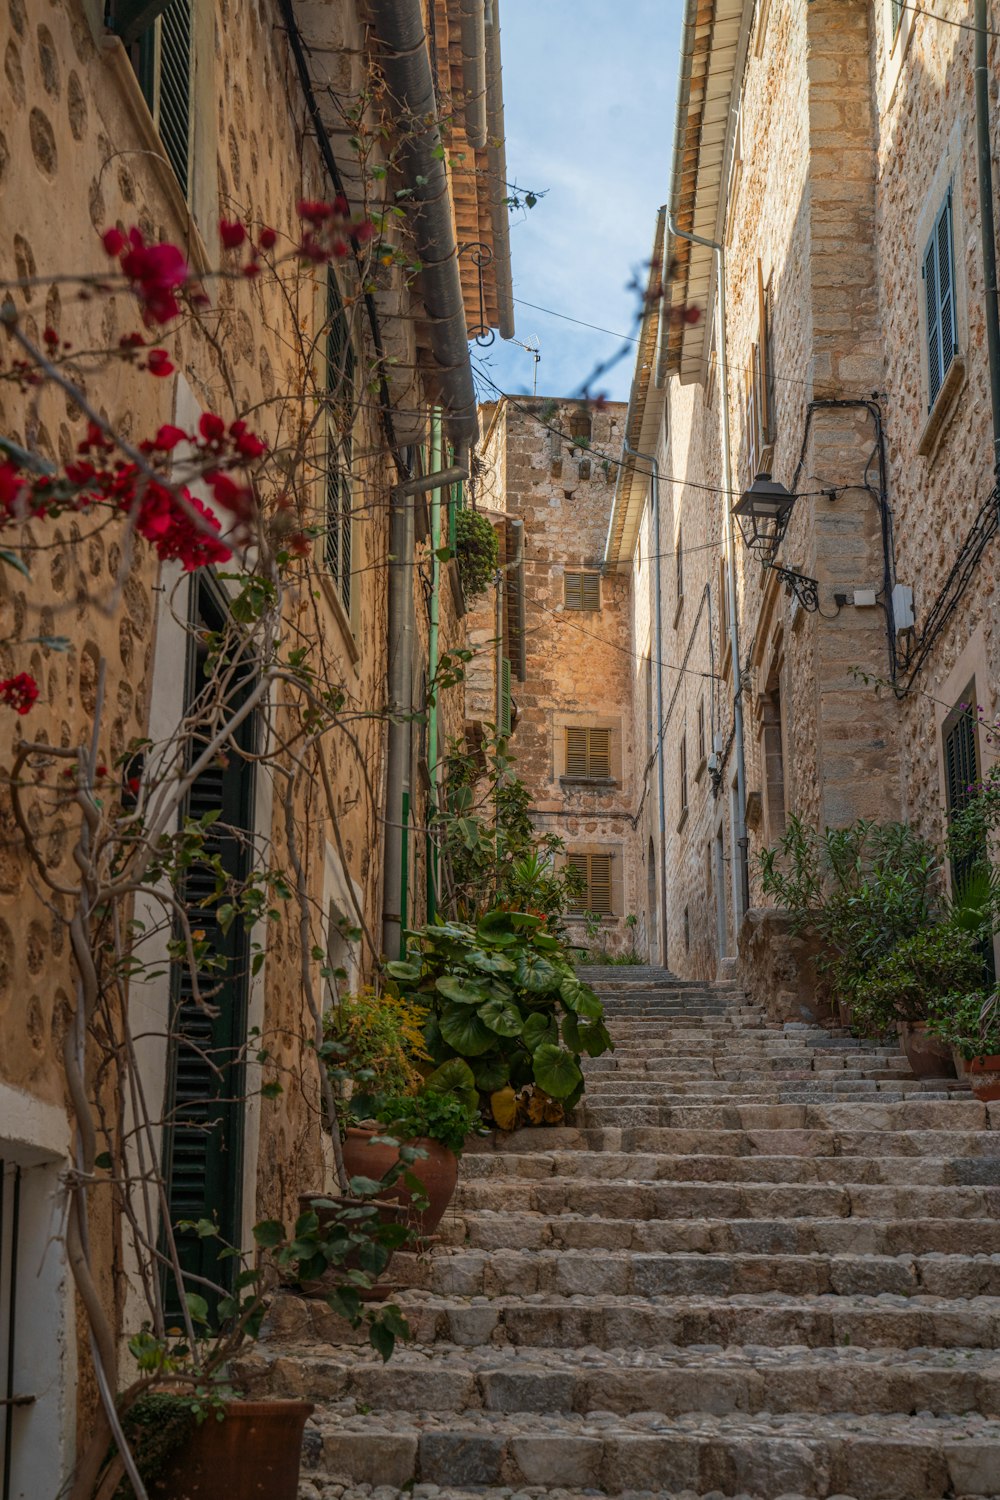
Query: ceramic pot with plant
(970, 1025)
(434, 1123)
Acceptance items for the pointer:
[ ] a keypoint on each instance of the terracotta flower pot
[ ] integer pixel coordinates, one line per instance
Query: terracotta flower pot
(437, 1172)
(927, 1056)
(388, 1213)
(252, 1454)
(983, 1074)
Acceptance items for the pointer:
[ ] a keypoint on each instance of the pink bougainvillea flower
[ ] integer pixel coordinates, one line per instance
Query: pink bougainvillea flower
(13, 488)
(234, 497)
(167, 438)
(250, 270)
(247, 444)
(231, 233)
(212, 429)
(158, 362)
(156, 272)
(268, 239)
(19, 693)
(314, 210)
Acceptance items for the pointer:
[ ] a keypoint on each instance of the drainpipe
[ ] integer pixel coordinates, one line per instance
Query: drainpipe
(433, 631)
(496, 151)
(985, 163)
(514, 565)
(474, 71)
(650, 459)
(406, 68)
(734, 627)
(400, 697)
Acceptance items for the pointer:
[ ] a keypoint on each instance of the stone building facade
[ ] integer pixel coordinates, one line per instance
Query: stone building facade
(820, 151)
(549, 470)
(211, 113)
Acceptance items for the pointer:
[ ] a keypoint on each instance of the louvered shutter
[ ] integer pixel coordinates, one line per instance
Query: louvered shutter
(930, 275)
(946, 286)
(579, 863)
(896, 15)
(591, 592)
(576, 751)
(573, 590)
(600, 884)
(173, 88)
(203, 1141)
(599, 752)
(505, 696)
(340, 372)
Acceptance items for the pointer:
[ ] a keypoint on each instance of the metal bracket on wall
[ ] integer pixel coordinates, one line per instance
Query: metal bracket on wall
(805, 589)
(481, 256)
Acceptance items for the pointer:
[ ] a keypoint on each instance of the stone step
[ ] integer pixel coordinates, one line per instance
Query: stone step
(545, 1321)
(664, 1140)
(487, 1230)
(923, 1171)
(876, 1458)
(948, 1114)
(669, 1381)
(570, 1273)
(715, 1200)
(792, 1091)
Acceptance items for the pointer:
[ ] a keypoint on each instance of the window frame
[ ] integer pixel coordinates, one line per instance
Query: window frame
(583, 860)
(592, 753)
(943, 231)
(576, 581)
(338, 536)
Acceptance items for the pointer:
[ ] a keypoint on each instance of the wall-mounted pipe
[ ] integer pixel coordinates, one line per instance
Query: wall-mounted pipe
(400, 695)
(406, 67)
(496, 151)
(473, 23)
(985, 162)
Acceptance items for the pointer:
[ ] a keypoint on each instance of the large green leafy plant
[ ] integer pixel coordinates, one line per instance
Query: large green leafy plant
(502, 995)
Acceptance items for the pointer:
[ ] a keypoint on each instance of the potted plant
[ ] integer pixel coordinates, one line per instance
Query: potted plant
(434, 1123)
(970, 1025)
(936, 961)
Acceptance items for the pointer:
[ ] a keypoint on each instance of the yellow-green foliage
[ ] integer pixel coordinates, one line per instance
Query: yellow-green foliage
(382, 1035)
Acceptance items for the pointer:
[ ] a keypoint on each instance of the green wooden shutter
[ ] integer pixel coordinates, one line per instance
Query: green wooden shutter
(896, 16)
(504, 725)
(938, 271)
(579, 863)
(203, 1143)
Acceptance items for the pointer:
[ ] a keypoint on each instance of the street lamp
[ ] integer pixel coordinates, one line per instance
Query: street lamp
(763, 511)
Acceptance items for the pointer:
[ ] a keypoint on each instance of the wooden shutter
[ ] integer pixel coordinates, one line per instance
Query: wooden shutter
(599, 752)
(340, 370)
(599, 892)
(576, 751)
(766, 373)
(173, 88)
(582, 591)
(573, 590)
(591, 592)
(504, 725)
(939, 291)
(684, 772)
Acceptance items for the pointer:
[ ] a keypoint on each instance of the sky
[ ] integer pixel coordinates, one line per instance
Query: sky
(589, 90)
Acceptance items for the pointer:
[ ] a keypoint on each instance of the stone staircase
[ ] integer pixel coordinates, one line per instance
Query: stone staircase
(765, 1263)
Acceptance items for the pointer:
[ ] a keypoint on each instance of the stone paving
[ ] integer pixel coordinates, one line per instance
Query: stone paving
(763, 1265)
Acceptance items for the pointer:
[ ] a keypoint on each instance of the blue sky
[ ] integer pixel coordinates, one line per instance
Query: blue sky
(589, 91)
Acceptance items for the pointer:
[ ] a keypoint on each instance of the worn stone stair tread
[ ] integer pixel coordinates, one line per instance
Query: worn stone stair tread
(489, 1230)
(666, 1140)
(345, 1490)
(876, 1457)
(924, 1171)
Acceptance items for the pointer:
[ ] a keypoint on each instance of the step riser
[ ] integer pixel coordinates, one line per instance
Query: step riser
(864, 1468)
(918, 1171)
(819, 1143)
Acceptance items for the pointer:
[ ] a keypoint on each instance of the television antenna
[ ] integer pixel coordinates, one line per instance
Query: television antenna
(535, 350)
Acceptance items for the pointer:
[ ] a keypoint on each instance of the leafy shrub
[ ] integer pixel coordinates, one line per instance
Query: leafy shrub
(477, 551)
(861, 889)
(907, 983)
(969, 1022)
(502, 995)
(376, 1040)
(445, 1118)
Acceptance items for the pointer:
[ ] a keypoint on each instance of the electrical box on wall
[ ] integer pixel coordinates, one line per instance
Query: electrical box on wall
(902, 607)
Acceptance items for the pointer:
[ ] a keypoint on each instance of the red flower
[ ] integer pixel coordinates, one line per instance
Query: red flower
(51, 337)
(12, 488)
(158, 362)
(268, 239)
(250, 270)
(231, 496)
(168, 437)
(133, 785)
(232, 233)
(155, 271)
(298, 544)
(114, 241)
(314, 211)
(19, 693)
(212, 429)
(247, 444)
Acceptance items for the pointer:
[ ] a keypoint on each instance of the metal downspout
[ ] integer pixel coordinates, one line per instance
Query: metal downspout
(406, 67)
(985, 164)
(400, 696)
(433, 632)
(661, 781)
(743, 890)
(497, 156)
(473, 22)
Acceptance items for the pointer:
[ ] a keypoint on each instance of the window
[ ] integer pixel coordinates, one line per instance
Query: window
(582, 591)
(588, 752)
(340, 367)
(895, 17)
(701, 731)
(595, 870)
(765, 359)
(684, 774)
(162, 58)
(939, 292)
(679, 565)
(580, 428)
(687, 929)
